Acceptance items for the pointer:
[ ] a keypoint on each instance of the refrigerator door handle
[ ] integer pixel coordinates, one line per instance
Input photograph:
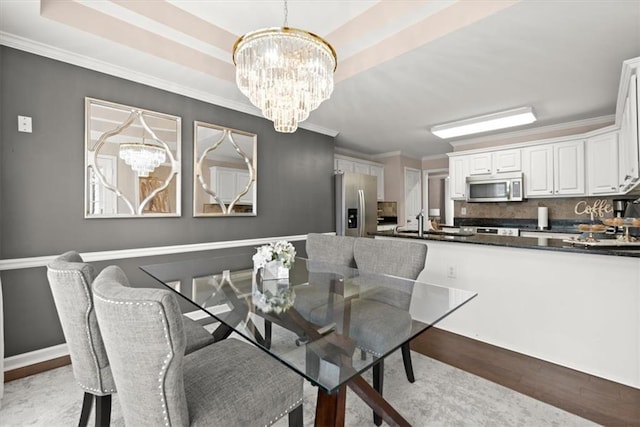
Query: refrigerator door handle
(362, 212)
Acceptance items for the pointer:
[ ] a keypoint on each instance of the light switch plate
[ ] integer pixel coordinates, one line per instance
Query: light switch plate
(24, 124)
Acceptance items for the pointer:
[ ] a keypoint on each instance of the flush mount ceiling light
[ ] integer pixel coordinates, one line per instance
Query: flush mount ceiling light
(501, 120)
(286, 72)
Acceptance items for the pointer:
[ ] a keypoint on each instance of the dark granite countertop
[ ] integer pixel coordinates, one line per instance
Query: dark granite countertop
(518, 242)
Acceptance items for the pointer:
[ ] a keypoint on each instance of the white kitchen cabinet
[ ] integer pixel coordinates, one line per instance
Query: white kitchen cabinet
(629, 161)
(344, 165)
(349, 164)
(602, 164)
(480, 164)
(568, 168)
(495, 162)
(458, 172)
(538, 170)
(507, 160)
(378, 172)
(554, 169)
(362, 168)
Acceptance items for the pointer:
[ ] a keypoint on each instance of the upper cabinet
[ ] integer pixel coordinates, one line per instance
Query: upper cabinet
(495, 162)
(508, 160)
(602, 164)
(458, 172)
(554, 169)
(480, 164)
(568, 168)
(628, 158)
(538, 170)
(351, 164)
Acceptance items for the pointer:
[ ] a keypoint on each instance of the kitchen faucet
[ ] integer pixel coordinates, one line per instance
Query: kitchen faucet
(420, 218)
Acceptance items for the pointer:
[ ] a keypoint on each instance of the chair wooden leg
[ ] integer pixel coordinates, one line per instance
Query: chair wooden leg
(295, 417)
(87, 403)
(378, 381)
(103, 410)
(408, 366)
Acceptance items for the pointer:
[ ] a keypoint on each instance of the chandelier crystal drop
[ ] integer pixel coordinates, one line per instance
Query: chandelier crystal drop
(286, 72)
(142, 157)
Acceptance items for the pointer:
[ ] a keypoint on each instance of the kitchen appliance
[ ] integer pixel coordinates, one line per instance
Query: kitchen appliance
(619, 207)
(496, 231)
(619, 211)
(356, 204)
(505, 187)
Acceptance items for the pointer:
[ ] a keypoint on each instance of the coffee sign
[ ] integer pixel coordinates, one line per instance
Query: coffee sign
(599, 208)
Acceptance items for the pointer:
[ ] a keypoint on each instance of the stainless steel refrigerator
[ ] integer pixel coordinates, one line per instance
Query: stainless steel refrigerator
(356, 204)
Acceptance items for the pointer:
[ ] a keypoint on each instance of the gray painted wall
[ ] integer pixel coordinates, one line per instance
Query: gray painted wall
(41, 179)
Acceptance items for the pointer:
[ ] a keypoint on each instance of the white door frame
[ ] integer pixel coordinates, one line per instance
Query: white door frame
(406, 213)
(435, 173)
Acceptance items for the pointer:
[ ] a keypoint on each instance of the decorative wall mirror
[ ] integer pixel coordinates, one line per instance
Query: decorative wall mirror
(132, 161)
(224, 171)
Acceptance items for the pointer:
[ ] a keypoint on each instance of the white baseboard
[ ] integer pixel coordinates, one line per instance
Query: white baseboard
(36, 356)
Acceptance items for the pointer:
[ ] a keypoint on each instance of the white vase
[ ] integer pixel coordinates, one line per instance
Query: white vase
(274, 270)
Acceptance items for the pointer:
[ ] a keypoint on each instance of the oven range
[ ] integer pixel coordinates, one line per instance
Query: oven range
(496, 231)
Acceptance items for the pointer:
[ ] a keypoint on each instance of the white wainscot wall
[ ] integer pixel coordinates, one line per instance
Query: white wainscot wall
(577, 310)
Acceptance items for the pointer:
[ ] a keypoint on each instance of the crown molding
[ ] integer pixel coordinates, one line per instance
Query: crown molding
(435, 157)
(388, 154)
(603, 120)
(48, 51)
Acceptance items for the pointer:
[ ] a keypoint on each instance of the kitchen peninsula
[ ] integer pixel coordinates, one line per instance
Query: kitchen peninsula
(543, 298)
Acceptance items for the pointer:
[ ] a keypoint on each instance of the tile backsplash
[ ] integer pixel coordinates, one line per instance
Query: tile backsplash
(574, 208)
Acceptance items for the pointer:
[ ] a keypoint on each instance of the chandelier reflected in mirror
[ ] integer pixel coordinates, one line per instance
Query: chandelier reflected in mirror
(286, 72)
(143, 158)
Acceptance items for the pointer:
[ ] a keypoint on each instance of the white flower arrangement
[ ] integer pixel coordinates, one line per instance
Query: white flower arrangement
(281, 250)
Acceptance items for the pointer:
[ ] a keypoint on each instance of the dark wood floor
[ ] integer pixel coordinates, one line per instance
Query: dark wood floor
(590, 397)
(599, 400)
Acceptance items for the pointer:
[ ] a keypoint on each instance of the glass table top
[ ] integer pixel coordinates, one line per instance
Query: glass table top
(328, 323)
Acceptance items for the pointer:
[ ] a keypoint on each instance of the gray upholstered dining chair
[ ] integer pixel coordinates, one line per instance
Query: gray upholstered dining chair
(228, 383)
(377, 317)
(325, 254)
(70, 279)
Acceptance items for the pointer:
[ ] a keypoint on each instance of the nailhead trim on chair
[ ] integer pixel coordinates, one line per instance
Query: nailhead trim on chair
(87, 330)
(295, 405)
(375, 353)
(169, 355)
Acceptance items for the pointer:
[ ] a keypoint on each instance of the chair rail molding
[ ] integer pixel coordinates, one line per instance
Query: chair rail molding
(42, 261)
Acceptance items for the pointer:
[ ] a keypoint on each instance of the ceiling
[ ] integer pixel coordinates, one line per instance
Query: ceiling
(403, 66)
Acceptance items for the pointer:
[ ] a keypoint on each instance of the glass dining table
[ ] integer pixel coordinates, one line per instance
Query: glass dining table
(326, 322)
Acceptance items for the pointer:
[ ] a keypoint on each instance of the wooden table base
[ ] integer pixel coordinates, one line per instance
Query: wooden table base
(331, 408)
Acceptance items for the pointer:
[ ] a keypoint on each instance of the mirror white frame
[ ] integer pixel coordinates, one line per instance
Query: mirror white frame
(225, 176)
(113, 189)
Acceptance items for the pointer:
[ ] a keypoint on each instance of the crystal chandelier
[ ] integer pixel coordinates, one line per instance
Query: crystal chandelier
(142, 157)
(286, 72)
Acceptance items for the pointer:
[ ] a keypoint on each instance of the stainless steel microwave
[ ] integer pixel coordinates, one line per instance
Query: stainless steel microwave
(505, 187)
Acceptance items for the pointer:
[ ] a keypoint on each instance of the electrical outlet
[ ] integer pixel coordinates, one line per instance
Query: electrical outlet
(463, 211)
(451, 272)
(24, 124)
